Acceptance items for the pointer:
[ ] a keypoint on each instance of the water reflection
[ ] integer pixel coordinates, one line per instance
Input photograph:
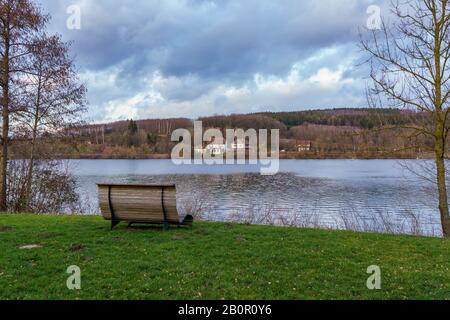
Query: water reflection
(360, 195)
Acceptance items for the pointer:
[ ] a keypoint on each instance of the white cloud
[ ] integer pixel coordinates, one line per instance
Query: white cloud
(187, 96)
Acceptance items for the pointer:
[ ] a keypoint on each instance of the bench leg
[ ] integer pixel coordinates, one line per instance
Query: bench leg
(166, 226)
(114, 223)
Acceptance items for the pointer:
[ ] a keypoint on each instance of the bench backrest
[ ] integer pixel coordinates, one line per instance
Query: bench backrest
(139, 203)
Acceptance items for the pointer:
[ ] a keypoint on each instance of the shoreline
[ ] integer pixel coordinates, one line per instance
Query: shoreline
(286, 156)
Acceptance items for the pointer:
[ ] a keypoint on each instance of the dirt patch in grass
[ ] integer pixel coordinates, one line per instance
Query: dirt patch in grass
(33, 262)
(5, 228)
(76, 247)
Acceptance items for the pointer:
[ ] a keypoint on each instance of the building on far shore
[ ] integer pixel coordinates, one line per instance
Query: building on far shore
(240, 144)
(217, 148)
(304, 146)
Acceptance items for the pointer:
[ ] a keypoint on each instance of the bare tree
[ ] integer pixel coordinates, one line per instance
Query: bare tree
(410, 68)
(53, 192)
(54, 98)
(20, 20)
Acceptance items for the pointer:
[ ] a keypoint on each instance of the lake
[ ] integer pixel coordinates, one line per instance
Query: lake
(362, 195)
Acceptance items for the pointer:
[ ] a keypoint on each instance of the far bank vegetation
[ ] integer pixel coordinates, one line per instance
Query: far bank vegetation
(334, 133)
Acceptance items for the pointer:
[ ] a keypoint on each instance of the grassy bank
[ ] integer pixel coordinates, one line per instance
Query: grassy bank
(213, 261)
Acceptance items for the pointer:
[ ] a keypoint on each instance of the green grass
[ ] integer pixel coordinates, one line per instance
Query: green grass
(213, 261)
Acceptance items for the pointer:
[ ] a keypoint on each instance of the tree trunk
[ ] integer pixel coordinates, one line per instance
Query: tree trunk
(4, 157)
(440, 135)
(442, 188)
(29, 181)
(5, 129)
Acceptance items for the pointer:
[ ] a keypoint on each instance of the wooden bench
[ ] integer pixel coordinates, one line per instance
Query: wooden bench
(141, 204)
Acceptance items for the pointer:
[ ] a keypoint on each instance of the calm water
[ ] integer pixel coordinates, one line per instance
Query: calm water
(375, 195)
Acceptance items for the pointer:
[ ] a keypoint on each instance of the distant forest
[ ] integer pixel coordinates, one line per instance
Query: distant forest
(332, 133)
(360, 118)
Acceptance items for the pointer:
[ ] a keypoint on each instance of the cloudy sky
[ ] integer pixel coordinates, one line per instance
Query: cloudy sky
(190, 58)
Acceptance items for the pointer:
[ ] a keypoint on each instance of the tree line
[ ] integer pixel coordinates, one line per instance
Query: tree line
(348, 137)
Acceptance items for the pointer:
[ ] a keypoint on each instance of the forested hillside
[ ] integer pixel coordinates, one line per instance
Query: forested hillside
(333, 133)
(361, 118)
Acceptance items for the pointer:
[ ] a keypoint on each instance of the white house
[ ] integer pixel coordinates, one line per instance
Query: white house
(239, 144)
(216, 149)
(305, 146)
